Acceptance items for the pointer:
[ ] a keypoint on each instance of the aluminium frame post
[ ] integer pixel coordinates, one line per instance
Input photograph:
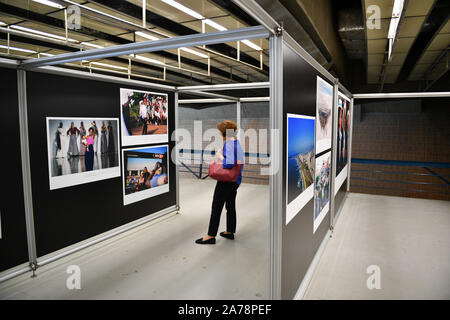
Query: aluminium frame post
(26, 168)
(350, 141)
(177, 168)
(276, 148)
(333, 152)
(238, 119)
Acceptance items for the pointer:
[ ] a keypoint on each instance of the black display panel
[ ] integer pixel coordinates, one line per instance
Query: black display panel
(340, 197)
(299, 243)
(13, 242)
(72, 214)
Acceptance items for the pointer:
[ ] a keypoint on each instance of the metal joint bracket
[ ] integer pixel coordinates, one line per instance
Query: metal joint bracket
(33, 267)
(278, 31)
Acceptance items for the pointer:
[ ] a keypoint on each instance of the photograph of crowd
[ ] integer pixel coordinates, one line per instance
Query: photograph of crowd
(145, 173)
(144, 117)
(324, 116)
(343, 133)
(300, 163)
(79, 146)
(322, 188)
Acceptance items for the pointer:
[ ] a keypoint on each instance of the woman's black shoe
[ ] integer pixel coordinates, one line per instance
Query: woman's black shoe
(227, 235)
(209, 241)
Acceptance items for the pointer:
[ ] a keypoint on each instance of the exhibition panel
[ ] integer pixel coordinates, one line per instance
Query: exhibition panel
(307, 137)
(76, 156)
(13, 237)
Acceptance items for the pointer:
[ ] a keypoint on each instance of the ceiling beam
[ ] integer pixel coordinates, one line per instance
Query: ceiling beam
(57, 23)
(132, 10)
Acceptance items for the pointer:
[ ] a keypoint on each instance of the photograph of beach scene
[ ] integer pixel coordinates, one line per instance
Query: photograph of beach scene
(300, 163)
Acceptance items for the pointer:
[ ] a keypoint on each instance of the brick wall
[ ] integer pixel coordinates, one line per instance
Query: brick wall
(408, 130)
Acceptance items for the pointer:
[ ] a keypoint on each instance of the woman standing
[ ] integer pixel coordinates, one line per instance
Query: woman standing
(89, 158)
(103, 142)
(225, 192)
(73, 132)
(59, 132)
(111, 148)
(82, 134)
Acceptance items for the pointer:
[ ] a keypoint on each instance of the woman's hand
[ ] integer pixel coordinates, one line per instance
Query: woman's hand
(219, 154)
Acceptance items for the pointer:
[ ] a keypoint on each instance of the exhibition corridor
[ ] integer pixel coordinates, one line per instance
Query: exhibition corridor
(245, 150)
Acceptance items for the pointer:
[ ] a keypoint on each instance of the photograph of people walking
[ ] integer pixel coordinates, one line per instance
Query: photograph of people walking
(144, 117)
(146, 173)
(76, 146)
(322, 188)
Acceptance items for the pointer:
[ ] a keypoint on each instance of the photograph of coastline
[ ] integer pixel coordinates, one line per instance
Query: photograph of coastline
(324, 115)
(300, 163)
(82, 150)
(144, 117)
(322, 188)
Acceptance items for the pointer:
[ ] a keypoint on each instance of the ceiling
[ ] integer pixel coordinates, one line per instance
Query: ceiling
(125, 24)
(335, 33)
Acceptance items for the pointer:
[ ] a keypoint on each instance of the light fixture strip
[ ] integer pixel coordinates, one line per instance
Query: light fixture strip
(49, 3)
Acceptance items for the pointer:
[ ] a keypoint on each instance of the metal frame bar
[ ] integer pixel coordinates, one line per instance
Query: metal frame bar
(276, 148)
(220, 100)
(253, 9)
(151, 46)
(14, 272)
(349, 156)
(177, 168)
(442, 94)
(26, 166)
(333, 153)
(228, 86)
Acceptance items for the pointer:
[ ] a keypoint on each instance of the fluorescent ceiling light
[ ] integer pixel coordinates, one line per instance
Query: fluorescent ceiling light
(209, 22)
(393, 26)
(151, 37)
(195, 52)
(42, 33)
(146, 35)
(109, 65)
(252, 45)
(46, 54)
(185, 9)
(215, 25)
(2, 23)
(50, 4)
(91, 45)
(17, 49)
(148, 60)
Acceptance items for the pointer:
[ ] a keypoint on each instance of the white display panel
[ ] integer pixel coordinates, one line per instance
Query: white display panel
(299, 163)
(324, 115)
(69, 161)
(321, 189)
(144, 117)
(340, 179)
(145, 173)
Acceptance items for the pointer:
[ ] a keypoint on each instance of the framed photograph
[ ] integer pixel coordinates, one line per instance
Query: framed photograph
(321, 189)
(145, 173)
(144, 117)
(324, 115)
(343, 138)
(82, 150)
(299, 163)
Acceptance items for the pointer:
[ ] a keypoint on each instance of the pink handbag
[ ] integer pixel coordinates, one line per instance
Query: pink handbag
(217, 172)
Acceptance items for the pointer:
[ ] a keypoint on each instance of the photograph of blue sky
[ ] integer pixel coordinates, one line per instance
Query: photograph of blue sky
(301, 135)
(139, 163)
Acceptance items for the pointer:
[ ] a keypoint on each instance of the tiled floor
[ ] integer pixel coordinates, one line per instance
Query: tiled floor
(408, 239)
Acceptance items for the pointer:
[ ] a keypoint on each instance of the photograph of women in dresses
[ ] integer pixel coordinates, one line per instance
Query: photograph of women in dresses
(77, 146)
(145, 173)
(144, 117)
(322, 188)
(324, 115)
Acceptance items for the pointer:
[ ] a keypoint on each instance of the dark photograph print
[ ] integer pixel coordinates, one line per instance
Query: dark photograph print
(343, 132)
(144, 117)
(82, 150)
(145, 173)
